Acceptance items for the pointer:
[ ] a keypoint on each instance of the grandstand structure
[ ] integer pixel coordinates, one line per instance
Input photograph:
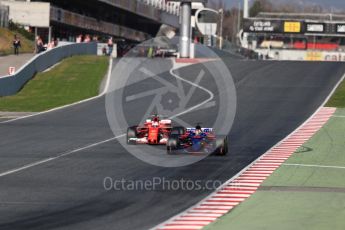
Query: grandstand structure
(134, 20)
(298, 36)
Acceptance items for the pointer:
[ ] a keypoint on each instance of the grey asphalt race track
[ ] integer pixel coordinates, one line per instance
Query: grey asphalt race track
(67, 193)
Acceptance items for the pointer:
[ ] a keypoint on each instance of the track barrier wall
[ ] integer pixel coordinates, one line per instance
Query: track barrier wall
(10, 85)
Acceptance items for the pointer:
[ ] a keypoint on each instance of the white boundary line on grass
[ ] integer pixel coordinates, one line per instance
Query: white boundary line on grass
(250, 165)
(338, 116)
(315, 166)
(73, 104)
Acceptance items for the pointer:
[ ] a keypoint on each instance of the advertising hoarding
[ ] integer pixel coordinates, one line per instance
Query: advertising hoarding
(292, 27)
(276, 26)
(340, 28)
(262, 26)
(315, 27)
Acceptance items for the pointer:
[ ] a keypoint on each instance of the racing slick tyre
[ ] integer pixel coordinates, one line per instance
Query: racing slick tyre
(178, 131)
(173, 144)
(131, 133)
(221, 146)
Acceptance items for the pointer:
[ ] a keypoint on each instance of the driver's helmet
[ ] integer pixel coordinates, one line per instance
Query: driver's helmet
(198, 130)
(155, 122)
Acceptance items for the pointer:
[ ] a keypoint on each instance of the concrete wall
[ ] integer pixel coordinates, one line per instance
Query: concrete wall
(10, 85)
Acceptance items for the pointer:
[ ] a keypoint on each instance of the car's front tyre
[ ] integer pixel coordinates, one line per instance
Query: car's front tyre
(222, 147)
(132, 133)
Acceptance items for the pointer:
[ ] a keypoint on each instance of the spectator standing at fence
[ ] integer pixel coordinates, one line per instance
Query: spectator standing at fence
(87, 39)
(56, 42)
(104, 50)
(51, 45)
(16, 45)
(110, 46)
(39, 45)
(79, 38)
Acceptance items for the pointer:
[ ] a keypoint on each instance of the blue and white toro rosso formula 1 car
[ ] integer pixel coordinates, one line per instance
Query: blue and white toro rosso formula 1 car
(196, 140)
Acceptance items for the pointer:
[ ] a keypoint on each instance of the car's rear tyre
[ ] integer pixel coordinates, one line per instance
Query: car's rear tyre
(173, 145)
(131, 133)
(222, 147)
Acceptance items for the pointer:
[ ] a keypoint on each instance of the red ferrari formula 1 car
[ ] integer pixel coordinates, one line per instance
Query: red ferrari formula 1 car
(196, 140)
(155, 131)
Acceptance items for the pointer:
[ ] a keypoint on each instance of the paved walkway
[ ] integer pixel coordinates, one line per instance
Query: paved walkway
(12, 60)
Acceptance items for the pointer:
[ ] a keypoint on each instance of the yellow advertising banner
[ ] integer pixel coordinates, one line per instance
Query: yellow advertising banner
(292, 27)
(314, 56)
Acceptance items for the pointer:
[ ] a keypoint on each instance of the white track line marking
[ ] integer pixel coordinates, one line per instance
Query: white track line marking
(12, 171)
(9, 172)
(192, 222)
(202, 214)
(57, 157)
(182, 227)
(218, 212)
(73, 104)
(175, 66)
(315, 166)
(101, 142)
(193, 218)
(230, 196)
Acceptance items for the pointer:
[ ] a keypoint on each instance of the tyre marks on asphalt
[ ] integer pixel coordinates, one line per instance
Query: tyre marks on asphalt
(248, 182)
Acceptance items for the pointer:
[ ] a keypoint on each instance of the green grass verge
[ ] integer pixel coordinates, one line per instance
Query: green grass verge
(6, 39)
(74, 79)
(286, 211)
(338, 98)
(307, 208)
(325, 148)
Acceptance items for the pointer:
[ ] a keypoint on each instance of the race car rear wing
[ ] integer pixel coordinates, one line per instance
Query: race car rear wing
(204, 130)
